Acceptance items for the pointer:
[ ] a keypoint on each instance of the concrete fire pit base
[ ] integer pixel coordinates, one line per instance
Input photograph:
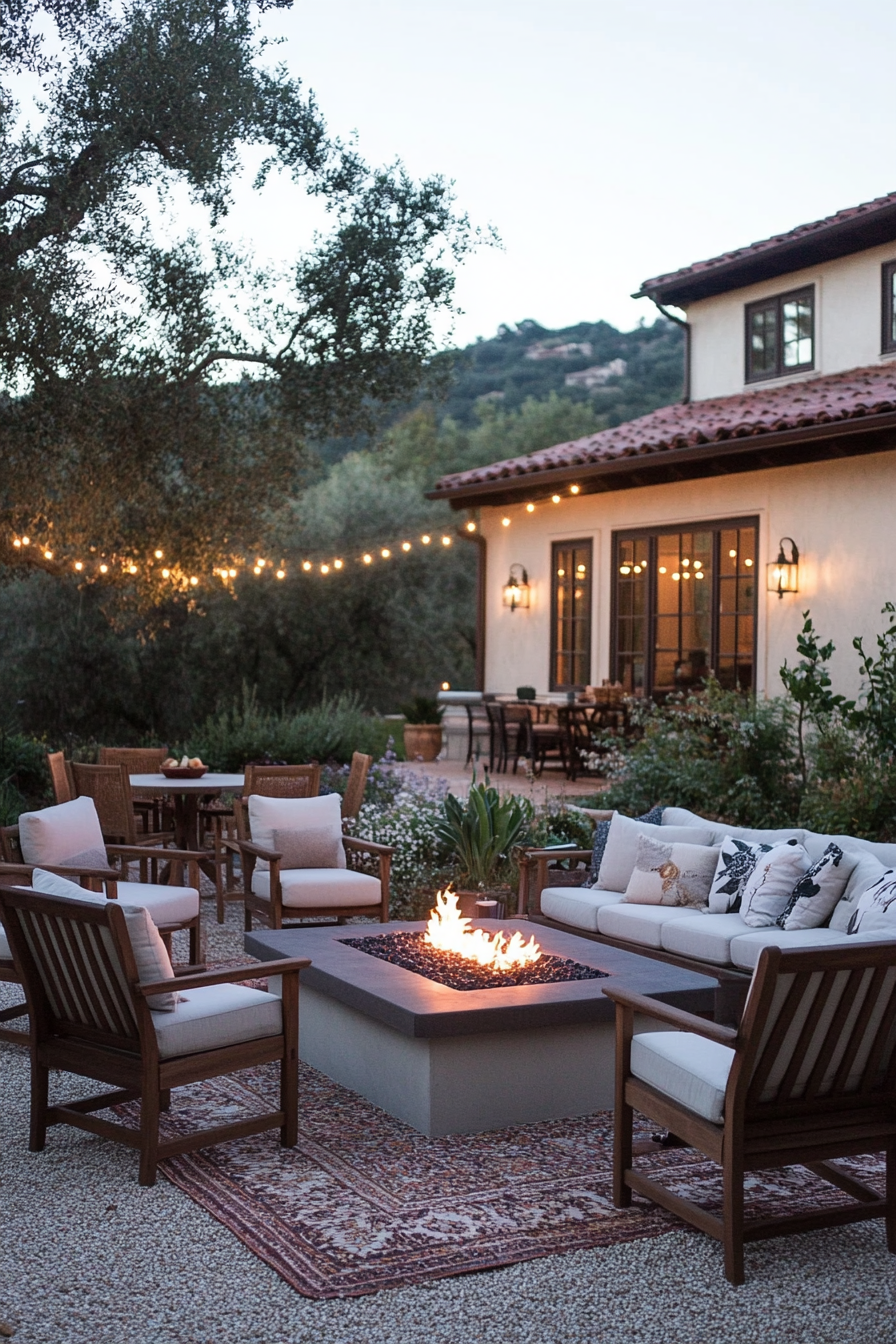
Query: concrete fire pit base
(456, 1062)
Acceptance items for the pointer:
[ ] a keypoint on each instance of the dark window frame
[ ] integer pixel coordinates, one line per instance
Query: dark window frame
(778, 300)
(572, 543)
(887, 304)
(650, 534)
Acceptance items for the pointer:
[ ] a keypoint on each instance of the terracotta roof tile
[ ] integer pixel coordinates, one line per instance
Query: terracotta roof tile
(819, 401)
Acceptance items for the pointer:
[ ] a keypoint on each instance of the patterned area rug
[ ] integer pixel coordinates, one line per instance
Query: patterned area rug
(365, 1203)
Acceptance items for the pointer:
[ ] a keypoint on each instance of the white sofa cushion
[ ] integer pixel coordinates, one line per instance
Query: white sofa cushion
(150, 953)
(819, 889)
(638, 923)
(745, 949)
(671, 874)
(166, 905)
(682, 816)
(706, 937)
(5, 950)
(816, 844)
(621, 849)
(322, 887)
(295, 814)
(56, 834)
(768, 888)
(216, 1016)
(577, 906)
(685, 1066)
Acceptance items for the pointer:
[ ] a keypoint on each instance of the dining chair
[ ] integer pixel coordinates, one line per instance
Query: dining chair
(355, 785)
(60, 777)
(509, 734)
(109, 787)
(92, 1014)
(282, 781)
(808, 1076)
(152, 810)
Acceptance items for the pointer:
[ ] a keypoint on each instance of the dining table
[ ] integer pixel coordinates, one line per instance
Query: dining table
(185, 795)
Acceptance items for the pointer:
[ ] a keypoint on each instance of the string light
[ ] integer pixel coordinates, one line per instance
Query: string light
(16, 543)
(281, 573)
(26, 541)
(261, 563)
(256, 569)
(232, 573)
(132, 569)
(385, 552)
(193, 581)
(446, 541)
(306, 565)
(104, 569)
(166, 573)
(505, 522)
(337, 564)
(471, 526)
(367, 559)
(48, 555)
(405, 546)
(446, 685)
(555, 499)
(78, 566)
(426, 538)
(574, 489)
(530, 508)
(325, 569)
(159, 554)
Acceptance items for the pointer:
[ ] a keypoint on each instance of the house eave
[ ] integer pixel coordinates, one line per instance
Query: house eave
(752, 452)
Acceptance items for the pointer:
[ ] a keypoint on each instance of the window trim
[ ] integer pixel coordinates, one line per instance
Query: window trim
(887, 305)
(714, 525)
(778, 300)
(570, 543)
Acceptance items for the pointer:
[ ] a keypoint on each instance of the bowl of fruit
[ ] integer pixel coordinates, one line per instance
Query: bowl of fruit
(188, 767)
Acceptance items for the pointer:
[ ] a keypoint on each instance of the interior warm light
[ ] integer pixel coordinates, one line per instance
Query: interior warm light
(561, 573)
(748, 563)
(530, 508)
(166, 573)
(676, 577)
(637, 569)
(449, 931)
(385, 553)
(367, 559)
(580, 569)
(663, 569)
(555, 499)
(685, 563)
(574, 489)
(625, 569)
(732, 555)
(159, 554)
(426, 538)
(104, 569)
(306, 565)
(686, 575)
(699, 574)
(337, 564)
(281, 573)
(405, 546)
(698, 564)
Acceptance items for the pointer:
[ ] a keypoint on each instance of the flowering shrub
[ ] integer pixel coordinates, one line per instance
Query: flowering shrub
(404, 810)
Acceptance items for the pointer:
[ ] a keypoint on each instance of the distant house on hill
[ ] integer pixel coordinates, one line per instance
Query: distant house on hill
(597, 376)
(650, 549)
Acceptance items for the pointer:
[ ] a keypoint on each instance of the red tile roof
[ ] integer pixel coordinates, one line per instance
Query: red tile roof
(839, 398)
(850, 230)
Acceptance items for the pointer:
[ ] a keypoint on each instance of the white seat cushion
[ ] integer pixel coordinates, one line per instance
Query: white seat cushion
(687, 1067)
(639, 923)
(4, 945)
(320, 887)
(55, 834)
(207, 1019)
(706, 937)
(577, 906)
(745, 949)
(166, 905)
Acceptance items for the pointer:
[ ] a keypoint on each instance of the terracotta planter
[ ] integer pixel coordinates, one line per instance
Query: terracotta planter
(422, 741)
(466, 901)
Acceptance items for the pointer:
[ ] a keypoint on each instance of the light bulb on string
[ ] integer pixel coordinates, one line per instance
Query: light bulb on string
(405, 546)
(158, 554)
(337, 564)
(78, 566)
(166, 573)
(367, 559)
(132, 569)
(48, 555)
(505, 522)
(257, 569)
(446, 541)
(26, 541)
(104, 569)
(281, 573)
(385, 553)
(232, 573)
(426, 538)
(193, 581)
(530, 508)
(17, 543)
(325, 569)
(306, 565)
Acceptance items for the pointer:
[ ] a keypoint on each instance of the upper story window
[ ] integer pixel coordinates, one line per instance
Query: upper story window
(888, 308)
(781, 335)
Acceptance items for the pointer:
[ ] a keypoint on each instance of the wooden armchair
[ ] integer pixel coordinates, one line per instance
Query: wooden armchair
(280, 897)
(153, 811)
(809, 1075)
(90, 1016)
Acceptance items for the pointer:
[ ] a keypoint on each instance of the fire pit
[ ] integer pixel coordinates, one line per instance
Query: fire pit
(453, 1061)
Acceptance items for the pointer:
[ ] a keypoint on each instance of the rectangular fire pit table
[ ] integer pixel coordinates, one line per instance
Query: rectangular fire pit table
(453, 1061)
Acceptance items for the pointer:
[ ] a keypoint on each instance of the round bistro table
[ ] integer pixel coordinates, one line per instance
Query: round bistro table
(185, 795)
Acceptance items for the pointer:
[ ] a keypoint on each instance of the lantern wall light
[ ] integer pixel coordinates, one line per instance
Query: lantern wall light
(516, 589)
(783, 574)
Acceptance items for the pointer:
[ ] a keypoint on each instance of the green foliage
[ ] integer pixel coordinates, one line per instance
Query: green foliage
(24, 777)
(422, 709)
(808, 684)
(559, 825)
(482, 832)
(245, 732)
(718, 752)
(875, 715)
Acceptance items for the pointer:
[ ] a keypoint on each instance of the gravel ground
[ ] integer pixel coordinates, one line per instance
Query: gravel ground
(88, 1257)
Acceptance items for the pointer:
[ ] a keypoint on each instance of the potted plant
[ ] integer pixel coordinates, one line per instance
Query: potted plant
(481, 834)
(422, 728)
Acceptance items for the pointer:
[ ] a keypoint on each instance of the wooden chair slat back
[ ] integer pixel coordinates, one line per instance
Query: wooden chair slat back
(241, 817)
(70, 958)
(357, 783)
(137, 760)
(60, 777)
(282, 781)
(10, 845)
(821, 1027)
(110, 789)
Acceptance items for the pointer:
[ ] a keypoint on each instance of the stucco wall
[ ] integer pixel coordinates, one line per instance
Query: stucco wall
(842, 515)
(847, 323)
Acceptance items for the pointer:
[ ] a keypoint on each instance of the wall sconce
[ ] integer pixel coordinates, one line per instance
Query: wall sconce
(783, 575)
(516, 589)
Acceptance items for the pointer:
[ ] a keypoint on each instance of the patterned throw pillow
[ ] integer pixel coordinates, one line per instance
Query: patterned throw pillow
(813, 898)
(601, 833)
(876, 907)
(671, 874)
(315, 847)
(768, 889)
(737, 859)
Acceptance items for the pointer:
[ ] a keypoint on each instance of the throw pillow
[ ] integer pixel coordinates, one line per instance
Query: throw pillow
(54, 833)
(671, 874)
(601, 832)
(867, 871)
(737, 859)
(150, 953)
(816, 893)
(316, 847)
(294, 814)
(621, 849)
(768, 889)
(876, 907)
(88, 858)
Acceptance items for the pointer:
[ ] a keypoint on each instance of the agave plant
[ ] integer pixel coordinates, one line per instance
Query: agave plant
(482, 832)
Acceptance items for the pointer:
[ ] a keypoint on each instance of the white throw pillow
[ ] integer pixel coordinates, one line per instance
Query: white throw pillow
(819, 889)
(54, 834)
(267, 815)
(671, 874)
(737, 859)
(876, 907)
(150, 953)
(867, 871)
(316, 847)
(621, 849)
(768, 889)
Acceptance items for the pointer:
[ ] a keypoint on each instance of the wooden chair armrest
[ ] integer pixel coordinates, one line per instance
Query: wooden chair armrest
(547, 854)
(143, 852)
(366, 846)
(284, 966)
(676, 1017)
(26, 869)
(249, 847)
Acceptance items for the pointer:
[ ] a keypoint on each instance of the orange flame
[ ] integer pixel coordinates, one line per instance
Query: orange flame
(448, 931)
